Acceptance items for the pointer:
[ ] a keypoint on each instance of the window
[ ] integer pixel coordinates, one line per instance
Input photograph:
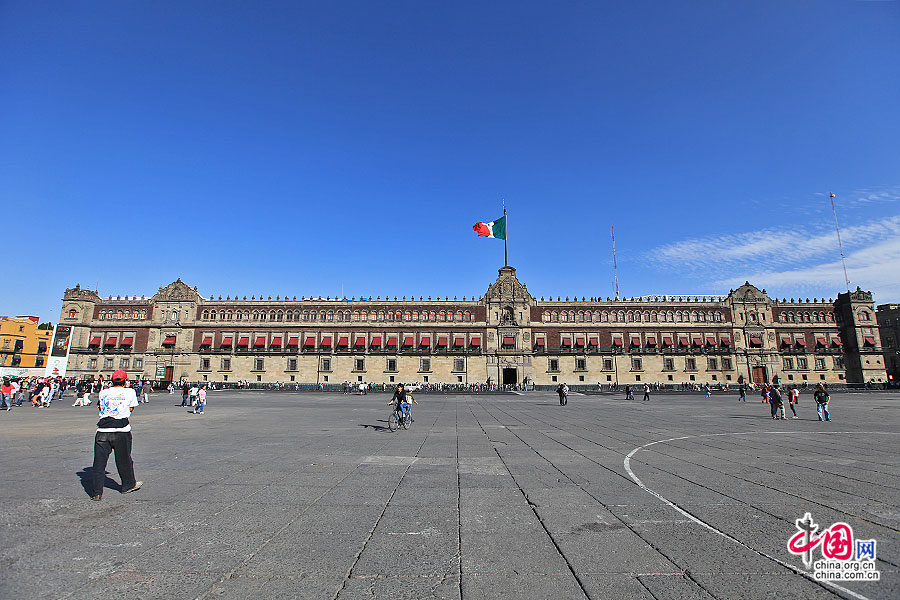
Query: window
(712, 364)
(204, 364)
(226, 364)
(820, 363)
(123, 363)
(580, 364)
(139, 363)
(425, 365)
(72, 313)
(787, 364)
(459, 364)
(726, 364)
(637, 364)
(391, 365)
(838, 362)
(668, 364)
(292, 364)
(607, 364)
(259, 364)
(359, 364)
(802, 362)
(92, 363)
(325, 365)
(690, 364)
(108, 363)
(553, 365)
(39, 361)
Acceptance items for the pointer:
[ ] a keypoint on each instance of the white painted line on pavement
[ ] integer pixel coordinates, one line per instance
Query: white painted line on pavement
(713, 529)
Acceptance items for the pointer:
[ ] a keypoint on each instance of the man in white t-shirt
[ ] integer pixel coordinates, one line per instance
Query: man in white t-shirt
(114, 434)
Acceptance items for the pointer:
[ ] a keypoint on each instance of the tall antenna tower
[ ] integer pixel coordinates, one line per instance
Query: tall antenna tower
(615, 266)
(840, 245)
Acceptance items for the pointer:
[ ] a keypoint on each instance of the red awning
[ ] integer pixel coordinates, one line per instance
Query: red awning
(565, 342)
(710, 340)
(110, 341)
(508, 341)
(651, 340)
(310, 341)
(293, 340)
(593, 341)
(820, 342)
(343, 342)
(326, 341)
(579, 342)
(127, 341)
(226, 341)
(635, 341)
(801, 341)
(667, 341)
(425, 341)
(683, 340)
(95, 341)
(617, 342)
(869, 341)
(476, 341)
(756, 341)
(459, 342)
(726, 341)
(260, 341)
(360, 342)
(836, 341)
(376, 341)
(207, 341)
(169, 341)
(442, 342)
(244, 341)
(697, 340)
(785, 340)
(539, 342)
(276, 341)
(407, 341)
(392, 340)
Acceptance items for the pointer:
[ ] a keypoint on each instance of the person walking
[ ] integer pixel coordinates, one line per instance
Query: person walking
(145, 391)
(114, 435)
(565, 390)
(776, 402)
(185, 392)
(201, 400)
(793, 395)
(559, 392)
(629, 395)
(646, 392)
(6, 394)
(743, 390)
(822, 399)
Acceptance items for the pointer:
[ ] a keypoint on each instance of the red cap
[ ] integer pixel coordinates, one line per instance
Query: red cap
(119, 375)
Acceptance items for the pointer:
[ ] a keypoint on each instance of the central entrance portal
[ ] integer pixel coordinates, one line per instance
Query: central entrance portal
(759, 375)
(509, 377)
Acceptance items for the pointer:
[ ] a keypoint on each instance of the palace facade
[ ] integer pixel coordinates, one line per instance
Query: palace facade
(506, 336)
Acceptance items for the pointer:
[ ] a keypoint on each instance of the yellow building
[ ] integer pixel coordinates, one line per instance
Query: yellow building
(22, 345)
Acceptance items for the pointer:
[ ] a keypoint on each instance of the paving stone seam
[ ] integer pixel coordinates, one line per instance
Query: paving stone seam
(659, 550)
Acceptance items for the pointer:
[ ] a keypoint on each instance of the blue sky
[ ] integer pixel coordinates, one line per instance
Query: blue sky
(302, 148)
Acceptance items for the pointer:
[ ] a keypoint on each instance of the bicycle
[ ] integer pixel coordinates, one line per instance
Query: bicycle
(400, 417)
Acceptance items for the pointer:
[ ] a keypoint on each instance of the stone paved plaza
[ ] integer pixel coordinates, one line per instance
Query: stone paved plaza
(290, 495)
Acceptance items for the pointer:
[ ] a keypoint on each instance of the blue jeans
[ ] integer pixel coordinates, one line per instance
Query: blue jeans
(146, 396)
(200, 406)
(821, 407)
(5, 401)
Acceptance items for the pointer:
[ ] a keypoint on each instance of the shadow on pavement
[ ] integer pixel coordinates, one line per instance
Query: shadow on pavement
(375, 427)
(87, 481)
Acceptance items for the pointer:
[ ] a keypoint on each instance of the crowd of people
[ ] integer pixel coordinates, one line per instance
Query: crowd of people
(777, 397)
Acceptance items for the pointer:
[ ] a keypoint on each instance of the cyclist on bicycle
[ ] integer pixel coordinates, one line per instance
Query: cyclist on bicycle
(399, 400)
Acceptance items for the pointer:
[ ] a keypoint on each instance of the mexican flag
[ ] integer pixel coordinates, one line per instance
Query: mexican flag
(494, 229)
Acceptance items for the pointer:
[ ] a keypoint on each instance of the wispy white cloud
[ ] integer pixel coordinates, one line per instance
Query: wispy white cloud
(875, 268)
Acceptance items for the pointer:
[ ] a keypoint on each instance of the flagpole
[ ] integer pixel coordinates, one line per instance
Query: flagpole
(505, 259)
(840, 245)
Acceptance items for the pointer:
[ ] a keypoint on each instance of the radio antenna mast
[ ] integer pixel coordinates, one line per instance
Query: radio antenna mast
(615, 266)
(840, 245)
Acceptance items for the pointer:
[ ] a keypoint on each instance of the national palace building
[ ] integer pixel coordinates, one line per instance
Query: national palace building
(507, 336)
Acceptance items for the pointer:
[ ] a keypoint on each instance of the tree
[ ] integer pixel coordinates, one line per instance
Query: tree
(46, 325)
